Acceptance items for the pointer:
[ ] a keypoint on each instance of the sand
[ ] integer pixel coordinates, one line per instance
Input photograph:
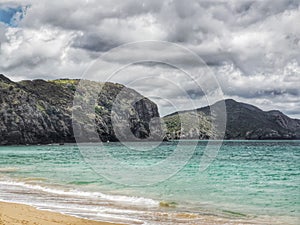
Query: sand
(17, 214)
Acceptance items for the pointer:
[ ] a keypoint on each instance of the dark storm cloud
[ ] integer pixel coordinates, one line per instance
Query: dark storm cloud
(265, 93)
(220, 26)
(85, 15)
(94, 42)
(294, 92)
(252, 46)
(215, 59)
(195, 93)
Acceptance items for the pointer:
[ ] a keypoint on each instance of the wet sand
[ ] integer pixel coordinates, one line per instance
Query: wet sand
(17, 214)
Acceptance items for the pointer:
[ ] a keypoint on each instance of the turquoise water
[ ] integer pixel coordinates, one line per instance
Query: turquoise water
(255, 181)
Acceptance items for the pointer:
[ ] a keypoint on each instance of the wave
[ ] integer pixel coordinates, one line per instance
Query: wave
(131, 200)
(89, 205)
(117, 208)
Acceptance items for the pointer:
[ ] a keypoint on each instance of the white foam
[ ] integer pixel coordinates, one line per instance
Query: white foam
(89, 205)
(131, 200)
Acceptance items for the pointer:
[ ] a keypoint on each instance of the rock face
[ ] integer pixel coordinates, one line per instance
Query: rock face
(40, 112)
(244, 121)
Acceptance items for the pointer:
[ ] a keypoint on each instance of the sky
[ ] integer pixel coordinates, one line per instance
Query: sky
(252, 48)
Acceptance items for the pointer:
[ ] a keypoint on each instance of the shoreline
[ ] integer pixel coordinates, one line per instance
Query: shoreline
(64, 184)
(20, 214)
(172, 140)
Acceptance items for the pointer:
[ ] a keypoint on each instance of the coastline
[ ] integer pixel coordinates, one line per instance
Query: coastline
(43, 177)
(19, 214)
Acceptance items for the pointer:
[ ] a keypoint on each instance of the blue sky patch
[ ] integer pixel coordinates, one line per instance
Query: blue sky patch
(11, 15)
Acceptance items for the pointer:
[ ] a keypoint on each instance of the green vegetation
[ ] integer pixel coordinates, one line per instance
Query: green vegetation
(40, 106)
(21, 120)
(188, 125)
(64, 81)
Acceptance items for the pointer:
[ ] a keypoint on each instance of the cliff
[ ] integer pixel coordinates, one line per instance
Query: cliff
(40, 112)
(244, 121)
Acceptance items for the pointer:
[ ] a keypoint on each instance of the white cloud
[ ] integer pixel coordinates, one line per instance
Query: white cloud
(253, 46)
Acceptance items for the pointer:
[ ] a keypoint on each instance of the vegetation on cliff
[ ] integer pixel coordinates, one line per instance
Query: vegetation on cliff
(244, 121)
(39, 111)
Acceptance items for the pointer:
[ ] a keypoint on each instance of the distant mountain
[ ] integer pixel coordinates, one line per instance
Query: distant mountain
(244, 121)
(40, 112)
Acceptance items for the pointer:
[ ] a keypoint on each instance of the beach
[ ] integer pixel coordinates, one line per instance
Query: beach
(249, 182)
(18, 214)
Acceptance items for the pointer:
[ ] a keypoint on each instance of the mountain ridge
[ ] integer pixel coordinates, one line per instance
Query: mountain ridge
(40, 112)
(244, 121)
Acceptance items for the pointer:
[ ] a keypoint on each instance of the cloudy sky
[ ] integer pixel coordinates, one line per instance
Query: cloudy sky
(252, 48)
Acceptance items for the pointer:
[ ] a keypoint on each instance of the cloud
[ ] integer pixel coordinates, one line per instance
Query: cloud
(252, 46)
(280, 90)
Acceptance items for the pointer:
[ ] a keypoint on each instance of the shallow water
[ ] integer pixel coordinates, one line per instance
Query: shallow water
(250, 181)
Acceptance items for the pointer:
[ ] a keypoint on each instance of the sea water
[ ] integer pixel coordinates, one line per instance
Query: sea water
(254, 182)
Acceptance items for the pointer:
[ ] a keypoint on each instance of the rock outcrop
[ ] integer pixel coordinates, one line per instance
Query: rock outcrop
(244, 121)
(40, 112)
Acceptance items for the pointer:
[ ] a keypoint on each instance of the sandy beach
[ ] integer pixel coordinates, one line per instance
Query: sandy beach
(17, 214)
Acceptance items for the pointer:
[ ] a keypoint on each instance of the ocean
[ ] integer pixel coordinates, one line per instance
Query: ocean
(246, 182)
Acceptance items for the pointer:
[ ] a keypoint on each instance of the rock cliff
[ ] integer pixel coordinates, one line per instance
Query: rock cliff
(244, 121)
(40, 112)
